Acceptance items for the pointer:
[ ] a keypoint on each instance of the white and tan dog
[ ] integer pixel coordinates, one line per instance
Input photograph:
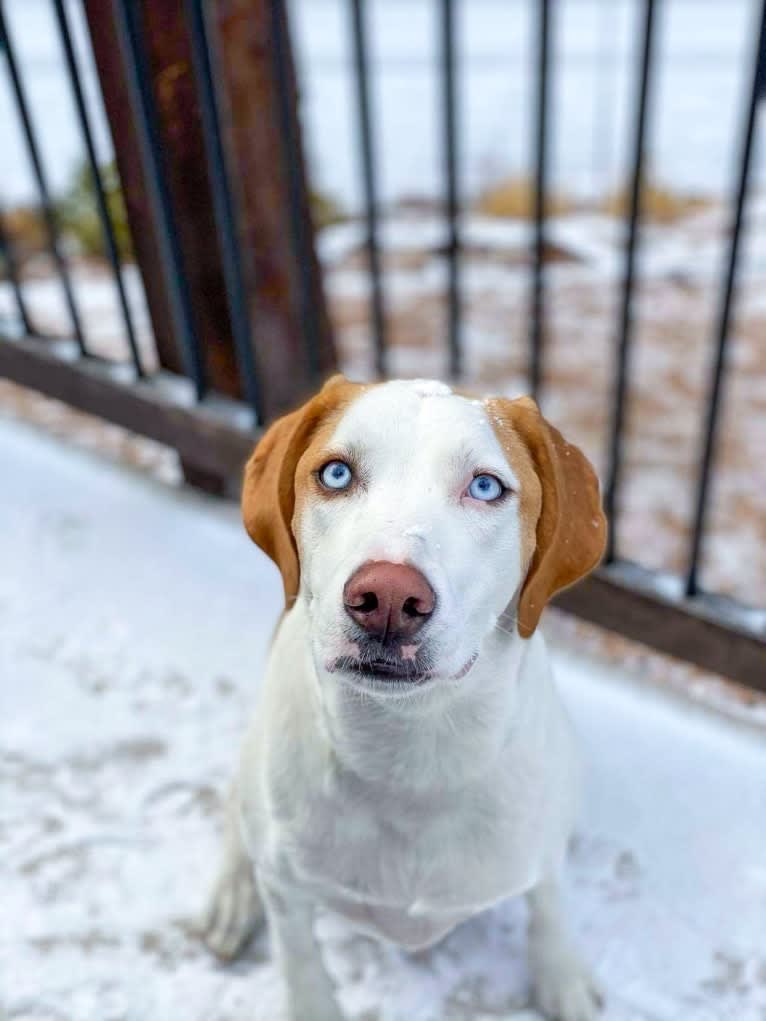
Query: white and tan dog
(409, 763)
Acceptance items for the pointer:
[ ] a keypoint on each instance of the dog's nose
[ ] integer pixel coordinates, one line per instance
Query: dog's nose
(389, 600)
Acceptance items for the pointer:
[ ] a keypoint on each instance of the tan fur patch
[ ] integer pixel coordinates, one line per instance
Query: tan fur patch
(570, 527)
(518, 457)
(271, 488)
(317, 453)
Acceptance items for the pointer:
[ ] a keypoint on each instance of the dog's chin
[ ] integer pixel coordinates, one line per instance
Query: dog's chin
(391, 677)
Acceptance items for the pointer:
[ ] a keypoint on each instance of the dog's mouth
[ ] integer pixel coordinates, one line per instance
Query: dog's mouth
(406, 671)
(392, 672)
(381, 669)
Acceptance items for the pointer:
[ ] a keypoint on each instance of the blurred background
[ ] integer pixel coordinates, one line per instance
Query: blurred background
(208, 207)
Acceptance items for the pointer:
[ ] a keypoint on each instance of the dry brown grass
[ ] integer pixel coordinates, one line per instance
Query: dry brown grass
(26, 230)
(514, 198)
(325, 210)
(658, 204)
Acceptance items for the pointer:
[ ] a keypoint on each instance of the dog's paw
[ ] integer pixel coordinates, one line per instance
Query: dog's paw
(563, 990)
(233, 914)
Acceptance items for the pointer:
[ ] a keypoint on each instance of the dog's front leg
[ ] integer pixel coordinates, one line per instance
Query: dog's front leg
(310, 993)
(234, 909)
(561, 984)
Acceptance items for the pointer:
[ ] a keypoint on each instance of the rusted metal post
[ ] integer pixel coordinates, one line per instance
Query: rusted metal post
(259, 104)
(290, 336)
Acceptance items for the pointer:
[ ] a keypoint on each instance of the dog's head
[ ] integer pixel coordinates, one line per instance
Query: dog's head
(409, 517)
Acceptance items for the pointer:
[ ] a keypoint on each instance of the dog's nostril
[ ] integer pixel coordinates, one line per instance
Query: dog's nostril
(413, 608)
(365, 603)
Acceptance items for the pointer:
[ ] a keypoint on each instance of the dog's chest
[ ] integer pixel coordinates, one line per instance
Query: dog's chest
(411, 869)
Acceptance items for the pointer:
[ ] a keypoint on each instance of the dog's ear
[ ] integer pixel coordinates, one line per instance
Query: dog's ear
(268, 490)
(570, 533)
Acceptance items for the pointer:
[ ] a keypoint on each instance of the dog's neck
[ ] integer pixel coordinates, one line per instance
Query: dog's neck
(438, 739)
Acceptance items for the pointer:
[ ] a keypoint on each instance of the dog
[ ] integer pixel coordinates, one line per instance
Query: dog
(409, 763)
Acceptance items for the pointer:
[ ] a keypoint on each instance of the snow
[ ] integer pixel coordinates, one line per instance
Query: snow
(97, 300)
(134, 619)
(691, 249)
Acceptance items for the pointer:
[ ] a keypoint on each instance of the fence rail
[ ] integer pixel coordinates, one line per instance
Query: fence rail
(277, 335)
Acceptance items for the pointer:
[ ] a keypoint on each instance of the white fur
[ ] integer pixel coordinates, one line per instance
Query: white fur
(406, 809)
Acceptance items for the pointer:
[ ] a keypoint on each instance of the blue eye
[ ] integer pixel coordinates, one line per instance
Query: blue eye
(335, 475)
(486, 488)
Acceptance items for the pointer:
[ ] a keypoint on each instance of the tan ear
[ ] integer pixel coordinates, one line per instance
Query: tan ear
(570, 534)
(268, 490)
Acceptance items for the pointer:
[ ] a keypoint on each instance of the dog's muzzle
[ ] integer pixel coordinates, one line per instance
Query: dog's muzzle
(389, 602)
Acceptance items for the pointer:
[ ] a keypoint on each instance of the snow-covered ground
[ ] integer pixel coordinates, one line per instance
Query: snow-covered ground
(134, 618)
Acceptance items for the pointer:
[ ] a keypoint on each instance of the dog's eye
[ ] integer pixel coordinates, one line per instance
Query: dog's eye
(486, 488)
(335, 475)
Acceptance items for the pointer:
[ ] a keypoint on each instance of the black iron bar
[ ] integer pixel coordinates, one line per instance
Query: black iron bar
(626, 315)
(537, 319)
(46, 204)
(298, 200)
(450, 118)
(14, 278)
(713, 413)
(146, 120)
(361, 68)
(102, 206)
(223, 204)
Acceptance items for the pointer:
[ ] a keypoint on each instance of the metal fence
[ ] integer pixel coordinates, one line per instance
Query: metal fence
(212, 420)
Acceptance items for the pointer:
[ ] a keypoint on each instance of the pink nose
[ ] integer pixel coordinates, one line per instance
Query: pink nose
(388, 600)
